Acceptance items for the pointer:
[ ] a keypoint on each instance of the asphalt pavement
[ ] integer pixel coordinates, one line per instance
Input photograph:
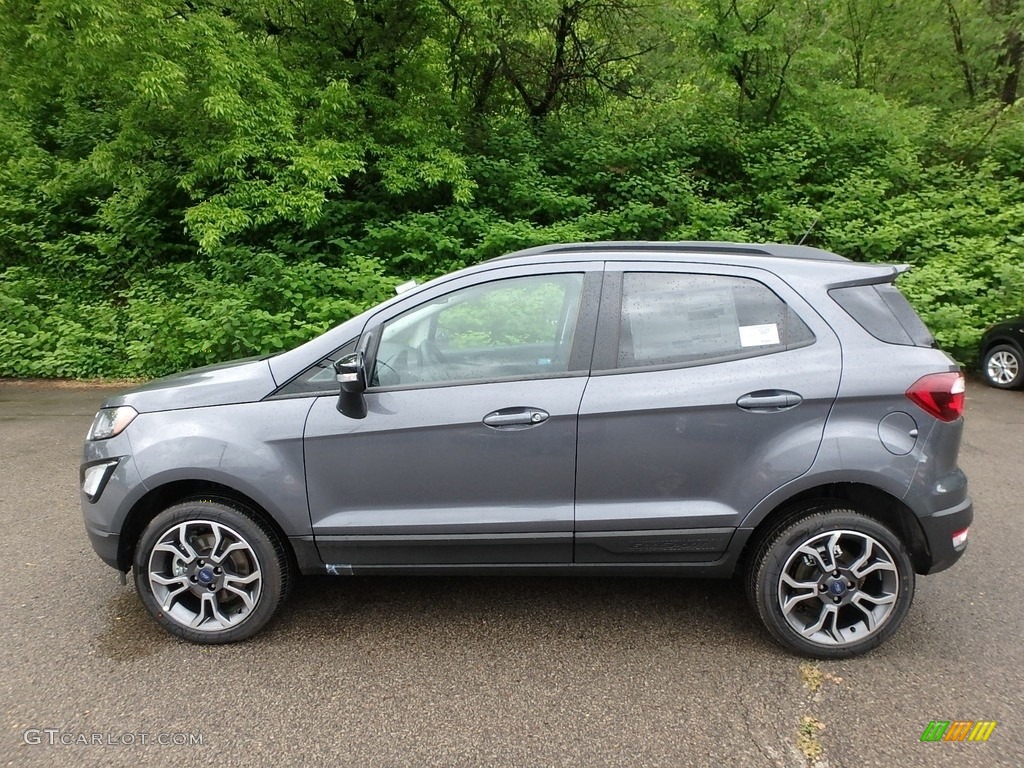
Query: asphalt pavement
(473, 671)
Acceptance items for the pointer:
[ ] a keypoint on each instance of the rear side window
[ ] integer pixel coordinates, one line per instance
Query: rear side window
(882, 311)
(673, 319)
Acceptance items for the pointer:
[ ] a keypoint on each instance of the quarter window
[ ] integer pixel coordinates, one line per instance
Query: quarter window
(318, 379)
(673, 319)
(882, 311)
(518, 327)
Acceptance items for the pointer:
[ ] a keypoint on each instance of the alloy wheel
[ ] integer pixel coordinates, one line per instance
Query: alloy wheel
(838, 588)
(205, 575)
(1003, 367)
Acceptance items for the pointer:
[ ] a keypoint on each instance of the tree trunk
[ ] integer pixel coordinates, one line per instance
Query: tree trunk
(958, 43)
(1013, 55)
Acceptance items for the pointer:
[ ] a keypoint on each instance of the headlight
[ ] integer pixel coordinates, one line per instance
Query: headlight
(111, 422)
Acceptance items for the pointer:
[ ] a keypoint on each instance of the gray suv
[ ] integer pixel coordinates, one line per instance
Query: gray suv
(695, 409)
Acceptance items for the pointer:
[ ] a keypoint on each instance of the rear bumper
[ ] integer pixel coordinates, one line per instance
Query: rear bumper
(938, 532)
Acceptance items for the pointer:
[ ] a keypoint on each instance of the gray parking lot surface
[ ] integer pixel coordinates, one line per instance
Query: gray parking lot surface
(488, 670)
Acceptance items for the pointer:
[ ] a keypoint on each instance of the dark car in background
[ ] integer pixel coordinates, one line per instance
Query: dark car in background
(1002, 354)
(693, 409)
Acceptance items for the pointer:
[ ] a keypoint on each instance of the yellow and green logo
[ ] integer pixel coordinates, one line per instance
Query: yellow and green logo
(958, 730)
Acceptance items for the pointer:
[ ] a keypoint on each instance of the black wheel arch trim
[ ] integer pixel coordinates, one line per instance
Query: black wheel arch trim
(145, 508)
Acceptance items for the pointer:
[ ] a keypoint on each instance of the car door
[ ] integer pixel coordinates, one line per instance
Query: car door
(466, 454)
(710, 389)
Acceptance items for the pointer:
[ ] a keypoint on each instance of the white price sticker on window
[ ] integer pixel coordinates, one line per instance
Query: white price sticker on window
(759, 335)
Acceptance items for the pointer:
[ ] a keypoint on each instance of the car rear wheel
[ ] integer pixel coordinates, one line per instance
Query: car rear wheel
(211, 572)
(1003, 367)
(832, 583)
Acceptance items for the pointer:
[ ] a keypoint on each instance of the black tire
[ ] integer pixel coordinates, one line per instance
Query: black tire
(211, 572)
(1003, 367)
(884, 582)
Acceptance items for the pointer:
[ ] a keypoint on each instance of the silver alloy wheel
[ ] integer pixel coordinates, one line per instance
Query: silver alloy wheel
(205, 575)
(838, 588)
(1003, 367)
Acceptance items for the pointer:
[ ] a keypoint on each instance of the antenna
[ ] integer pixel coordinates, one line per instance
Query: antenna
(813, 223)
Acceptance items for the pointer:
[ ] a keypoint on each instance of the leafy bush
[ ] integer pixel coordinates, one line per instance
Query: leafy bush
(178, 316)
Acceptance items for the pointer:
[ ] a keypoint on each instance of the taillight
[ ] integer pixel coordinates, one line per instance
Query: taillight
(940, 394)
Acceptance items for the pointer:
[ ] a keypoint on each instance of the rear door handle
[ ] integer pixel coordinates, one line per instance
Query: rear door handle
(769, 400)
(515, 418)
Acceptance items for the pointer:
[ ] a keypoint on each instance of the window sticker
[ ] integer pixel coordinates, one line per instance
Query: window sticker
(672, 324)
(759, 335)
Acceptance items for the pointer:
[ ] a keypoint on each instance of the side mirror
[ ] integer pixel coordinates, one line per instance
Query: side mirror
(351, 373)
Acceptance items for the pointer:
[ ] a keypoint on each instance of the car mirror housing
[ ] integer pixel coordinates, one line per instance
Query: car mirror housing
(351, 373)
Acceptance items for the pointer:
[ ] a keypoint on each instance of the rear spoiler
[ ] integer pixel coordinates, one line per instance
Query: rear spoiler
(882, 273)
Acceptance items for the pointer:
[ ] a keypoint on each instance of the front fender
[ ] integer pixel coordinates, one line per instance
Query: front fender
(253, 448)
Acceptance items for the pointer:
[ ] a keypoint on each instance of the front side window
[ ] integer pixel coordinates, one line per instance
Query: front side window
(673, 319)
(512, 328)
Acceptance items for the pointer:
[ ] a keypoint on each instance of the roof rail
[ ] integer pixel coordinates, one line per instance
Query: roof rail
(691, 246)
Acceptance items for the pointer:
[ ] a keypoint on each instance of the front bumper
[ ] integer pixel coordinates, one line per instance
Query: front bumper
(104, 515)
(106, 544)
(938, 532)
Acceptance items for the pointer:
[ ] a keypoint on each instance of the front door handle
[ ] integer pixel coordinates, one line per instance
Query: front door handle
(515, 418)
(769, 400)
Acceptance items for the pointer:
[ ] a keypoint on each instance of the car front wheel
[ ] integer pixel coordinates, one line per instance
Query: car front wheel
(210, 572)
(1003, 367)
(831, 584)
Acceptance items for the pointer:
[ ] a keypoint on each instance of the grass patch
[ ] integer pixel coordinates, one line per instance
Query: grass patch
(807, 737)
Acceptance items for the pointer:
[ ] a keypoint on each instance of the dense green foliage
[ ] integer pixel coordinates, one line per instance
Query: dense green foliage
(186, 182)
